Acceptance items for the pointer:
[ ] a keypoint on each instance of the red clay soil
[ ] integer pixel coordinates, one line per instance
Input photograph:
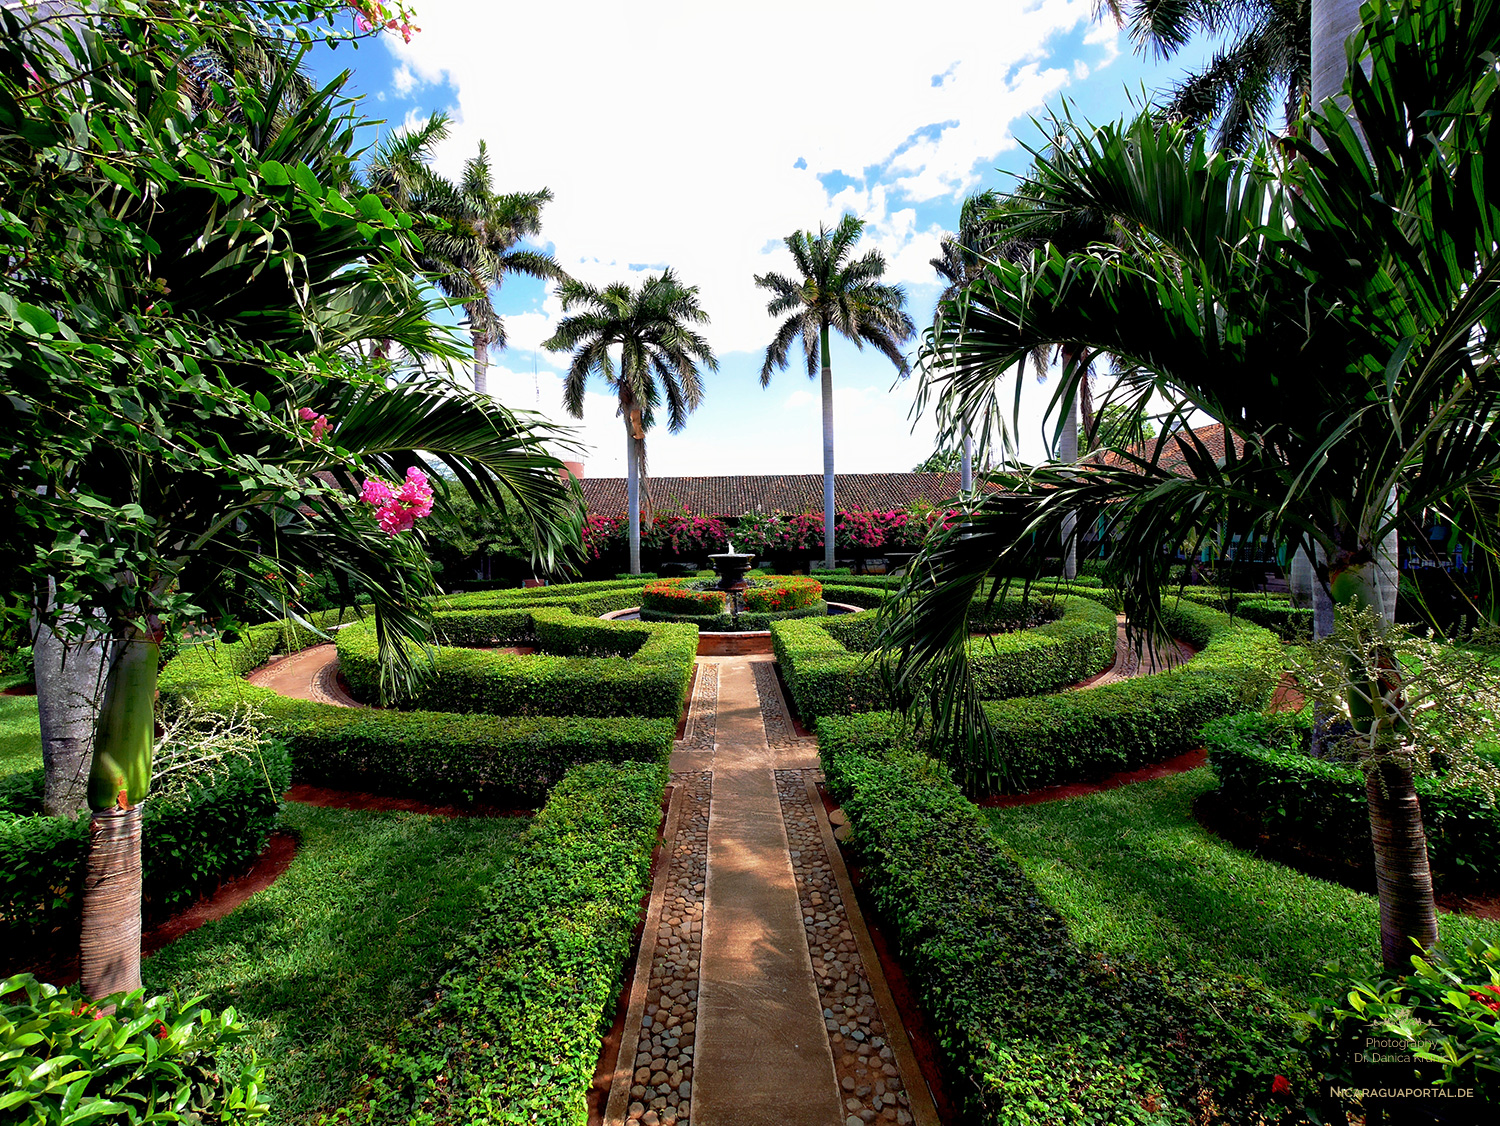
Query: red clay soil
(326, 798)
(19, 690)
(1191, 760)
(274, 859)
(609, 1047)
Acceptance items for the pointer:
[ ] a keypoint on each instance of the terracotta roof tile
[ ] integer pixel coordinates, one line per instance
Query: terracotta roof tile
(1171, 451)
(799, 492)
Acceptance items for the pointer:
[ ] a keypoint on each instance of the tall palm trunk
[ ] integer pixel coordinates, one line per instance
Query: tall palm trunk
(828, 513)
(69, 677)
(481, 360)
(633, 488)
(119, 780)
(966, 465)
(1067, 451)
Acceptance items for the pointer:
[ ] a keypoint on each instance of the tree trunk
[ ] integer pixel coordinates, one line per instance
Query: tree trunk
(966, 466)
(481, 360)
(119, 780)
(69, 684)
(1067, 451)
(1388, 567)
(1333, 21)
(633, 495)
(829, 530)
(1402, 876)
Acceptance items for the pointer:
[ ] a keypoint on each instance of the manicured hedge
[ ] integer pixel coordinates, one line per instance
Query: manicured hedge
(1073, 736)
(1037, 1029)
(826, 668)
(586, 667)
(423, 753)
(745, 623)
(674, 596)
(189, 843)
(782, 593)
(514, 1030)
(1264, 774)
(1275, 612)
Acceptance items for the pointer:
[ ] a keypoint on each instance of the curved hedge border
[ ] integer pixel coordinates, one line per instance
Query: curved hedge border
(188, 844)
(672, 596)
(587, 667)
(424, 753)
(828, 673)
(514, 1032)
(783, 593)
(1074, 736)
(1302, 800)
(1023, 1013)
(745, 623)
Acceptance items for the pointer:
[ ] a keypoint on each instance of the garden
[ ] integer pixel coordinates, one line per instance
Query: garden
(311, 813)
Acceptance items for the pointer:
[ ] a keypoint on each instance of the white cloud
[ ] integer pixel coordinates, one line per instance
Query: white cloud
(710, 186)
(404, 80)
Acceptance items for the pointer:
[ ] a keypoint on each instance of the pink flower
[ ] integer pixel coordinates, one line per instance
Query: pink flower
(375, 491)
(307, 414)
(321, 426)
(36, 79)
(360, 21)
(396, 511)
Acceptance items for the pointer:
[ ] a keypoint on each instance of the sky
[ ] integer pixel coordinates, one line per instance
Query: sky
(698, 136)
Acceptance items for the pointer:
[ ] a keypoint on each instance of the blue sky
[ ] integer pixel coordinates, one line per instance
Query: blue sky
(699, 136)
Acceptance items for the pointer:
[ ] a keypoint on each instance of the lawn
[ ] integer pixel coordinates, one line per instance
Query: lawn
(1133, 872)
(343, 946)
(20, 732)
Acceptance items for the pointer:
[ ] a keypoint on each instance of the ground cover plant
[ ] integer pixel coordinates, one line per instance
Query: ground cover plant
(346, 943)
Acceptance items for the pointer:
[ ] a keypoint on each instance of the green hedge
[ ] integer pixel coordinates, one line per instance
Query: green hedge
(747, 622)
(1264, 774)
(1073, 736)
(674, 596)
(1275, 612)
(586, 667)
(782, 593)
(514, 1032)
(828, 672)
(1037, 1029)
(189, 843)
(424, 753)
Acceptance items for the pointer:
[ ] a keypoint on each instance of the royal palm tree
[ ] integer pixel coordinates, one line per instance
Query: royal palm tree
(659, 352)
(833, 293)
(469, 231)
(1327, 310)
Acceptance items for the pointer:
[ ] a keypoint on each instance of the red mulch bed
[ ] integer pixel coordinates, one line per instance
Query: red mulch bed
(19, 690)
(328, 798)
(1190, 760)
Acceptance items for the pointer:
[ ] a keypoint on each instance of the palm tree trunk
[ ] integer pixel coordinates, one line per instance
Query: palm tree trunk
(1333, 21)
(119, 780)
(69, 677)
(481, 360)
(966, 466)
(828, 513)
(1402, 876)
(633, 496)
(1068, 452)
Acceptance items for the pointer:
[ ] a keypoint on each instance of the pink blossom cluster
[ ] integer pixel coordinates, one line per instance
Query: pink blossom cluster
(685, 534)
(397, 510)
(600, 533)
(371, 15)
(320, 423)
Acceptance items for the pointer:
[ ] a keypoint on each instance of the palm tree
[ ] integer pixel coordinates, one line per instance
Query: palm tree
(469, 231)
(659, 358)
(833, 293)
(1326, 310)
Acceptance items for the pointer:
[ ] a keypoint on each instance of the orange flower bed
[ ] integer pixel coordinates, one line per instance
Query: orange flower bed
(672, 596)
(782, 592)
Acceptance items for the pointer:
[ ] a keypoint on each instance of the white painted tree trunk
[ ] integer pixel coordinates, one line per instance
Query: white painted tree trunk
(70, 675)
(633, 495)
(1067, 451)
(828, 513)
(481, 362)
(966, 466)
(1333, 21)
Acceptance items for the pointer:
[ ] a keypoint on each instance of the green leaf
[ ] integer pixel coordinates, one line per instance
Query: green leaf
(274, 173)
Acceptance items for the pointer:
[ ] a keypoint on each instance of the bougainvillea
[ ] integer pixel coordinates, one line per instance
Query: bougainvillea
(601, 534)
(320, 423)
(397, 510)
(682, 533)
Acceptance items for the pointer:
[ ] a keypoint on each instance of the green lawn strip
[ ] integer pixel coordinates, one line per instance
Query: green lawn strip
(344, 946)
(20, 730)
(1133, 872)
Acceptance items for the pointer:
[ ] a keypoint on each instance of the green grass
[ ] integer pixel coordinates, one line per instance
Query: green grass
(1133, 872)
(344, 946)
(20, 731)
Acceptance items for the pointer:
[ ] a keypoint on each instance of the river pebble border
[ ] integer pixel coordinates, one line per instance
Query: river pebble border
(773, 710)
(870, 1084)
(661, 1089)
(703, 711)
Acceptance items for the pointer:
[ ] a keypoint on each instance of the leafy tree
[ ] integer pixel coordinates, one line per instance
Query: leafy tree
(940, 461)
(156, 387)
(659, 358)
(468, 231)
(833, 293)
(1331, 310)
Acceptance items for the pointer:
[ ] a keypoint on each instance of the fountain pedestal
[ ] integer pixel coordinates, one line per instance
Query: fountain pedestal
(731, 567)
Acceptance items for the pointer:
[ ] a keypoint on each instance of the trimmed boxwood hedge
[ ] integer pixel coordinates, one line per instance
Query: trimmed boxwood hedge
(189, 843)
(1264, 774)
(1074, 736)
(674, 596)
(423, 753)
(1036, 1028)
(782, 593)
(1275, 612)
(513, 1032)
(828, 673)
(586, 667)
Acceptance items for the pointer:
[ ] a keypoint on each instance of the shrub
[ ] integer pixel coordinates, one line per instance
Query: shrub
(673, 596)
(423, 753)
(124, 1059)
(783, 592)
(745, 622)
(1441, 1022)
(513, 1034)
(586, 668)
(189, 842)
(16, 663)
(827, 678)
(1265, 774)
(1275, 612)
(1038, 1029)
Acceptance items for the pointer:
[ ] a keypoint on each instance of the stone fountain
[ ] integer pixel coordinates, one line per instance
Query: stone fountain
(731, 567)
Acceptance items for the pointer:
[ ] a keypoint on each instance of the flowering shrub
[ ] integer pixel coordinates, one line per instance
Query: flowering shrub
(397, 510)
(782, 592)
(867, 531)
(372, 15)
(602, 534)
(320, 423)
(920, 520)
(675, 596)
(685, 534)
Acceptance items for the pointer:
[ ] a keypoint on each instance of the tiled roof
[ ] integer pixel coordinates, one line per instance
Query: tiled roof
(1171, 451)
(780, 492)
